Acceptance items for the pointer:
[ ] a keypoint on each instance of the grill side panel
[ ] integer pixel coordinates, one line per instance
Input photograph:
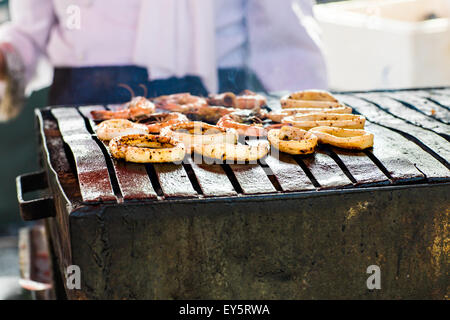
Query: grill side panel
(283, 248)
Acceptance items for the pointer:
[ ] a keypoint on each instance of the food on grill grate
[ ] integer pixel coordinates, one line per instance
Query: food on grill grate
(292, 140)
(308, 121)
(246, 122)
(344, 138)
(147, 148)
(234, 152)
(136, 108)
(194, 107)
(279, 115)
(157, 121)
(246, 100)
(310, 99)
(226, 99)
(195, 132)
(109, 129)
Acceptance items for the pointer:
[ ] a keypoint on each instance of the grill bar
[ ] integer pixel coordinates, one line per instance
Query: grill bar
(422, 105)
(427, 140)
(412, 116)
(93, 176)
(252, 178)
(212, 179)
(361, 167)
(325, 170)
(288, 173)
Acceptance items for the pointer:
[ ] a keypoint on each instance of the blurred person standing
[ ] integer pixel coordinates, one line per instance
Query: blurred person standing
(100, 47)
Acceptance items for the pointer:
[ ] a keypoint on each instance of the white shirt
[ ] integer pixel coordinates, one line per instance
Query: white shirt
(265, 35)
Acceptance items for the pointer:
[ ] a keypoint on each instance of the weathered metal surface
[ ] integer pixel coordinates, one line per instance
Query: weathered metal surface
(361, 167)
(38, 208)
(212, 179)
(252, 178)
(93, 176)
(174, 180)
(325, 170)
(279, 247)
(423, 105)
(440, 97)
(63, 183)
(400, 110)
(288, 173)
(433, 141)
(389, 148)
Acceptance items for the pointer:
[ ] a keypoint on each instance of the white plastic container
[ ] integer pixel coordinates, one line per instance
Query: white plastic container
(377, 44)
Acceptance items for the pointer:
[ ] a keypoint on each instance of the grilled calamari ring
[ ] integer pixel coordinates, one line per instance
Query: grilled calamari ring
(344, 138)
(156, 121)
(147, 148)
(308, 121)
(110, 129)
(310, 99)
(292, 140)
(278, 115)
(196, 132)
(233, 152)
(245, 122)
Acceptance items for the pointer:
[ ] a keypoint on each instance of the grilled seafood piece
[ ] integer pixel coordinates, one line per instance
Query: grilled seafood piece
(156, 121)
(250, 100)
(147, 148)
(245, 100)
(196, 132)
(110, 129)
(277, 116)
(233, 152)
(194, 107)
(207, 113)
(226, 99)
(246, 122)
(136, 108)
(178, 99)
(308, 121)
(344, 138)
(310, 99)
(292, 140)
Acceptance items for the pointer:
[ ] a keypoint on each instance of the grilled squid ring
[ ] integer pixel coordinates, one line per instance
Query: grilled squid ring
(310, 99)
(277, 116)
(308, 121)
(147, 148)
(110, 129)
(344, 138)
(196, 132)
(236, 120)
(155, 122)
(233, 152)
(292, 140)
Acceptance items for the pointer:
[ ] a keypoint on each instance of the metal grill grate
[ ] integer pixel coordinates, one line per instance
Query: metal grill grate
(411, 146)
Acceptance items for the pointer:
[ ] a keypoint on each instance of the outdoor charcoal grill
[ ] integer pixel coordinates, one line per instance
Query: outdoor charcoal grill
(299, 228)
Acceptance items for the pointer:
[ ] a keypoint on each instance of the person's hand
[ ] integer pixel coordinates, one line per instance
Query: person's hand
(2, 66)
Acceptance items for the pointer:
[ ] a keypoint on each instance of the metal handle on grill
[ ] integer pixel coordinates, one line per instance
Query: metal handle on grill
(37, 208)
